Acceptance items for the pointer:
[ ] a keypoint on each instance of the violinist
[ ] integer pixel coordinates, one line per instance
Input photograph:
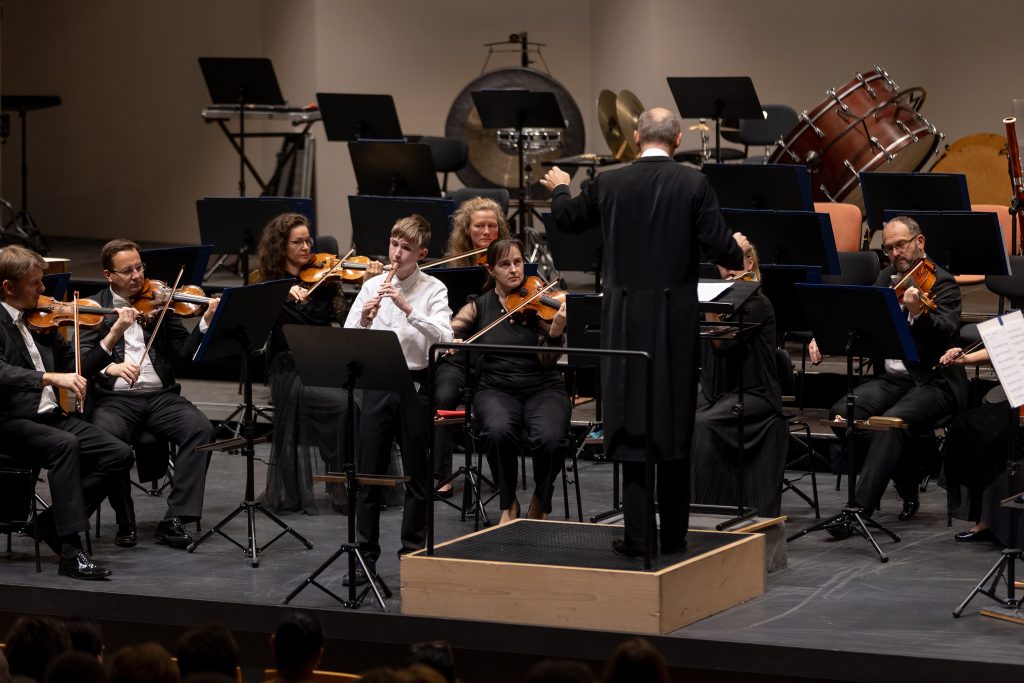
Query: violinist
(84, 463)
(764, 431)
(307, 420)
(138, 393)
(414, 306)
(518, 399)
(475, 224)
(911, 391)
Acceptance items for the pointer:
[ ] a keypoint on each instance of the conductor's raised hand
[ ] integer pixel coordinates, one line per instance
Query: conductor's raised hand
(741, 241)
(554, 178)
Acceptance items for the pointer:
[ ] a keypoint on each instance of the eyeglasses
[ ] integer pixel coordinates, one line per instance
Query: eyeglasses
(301, 242)
(126, 272)
(887, 249)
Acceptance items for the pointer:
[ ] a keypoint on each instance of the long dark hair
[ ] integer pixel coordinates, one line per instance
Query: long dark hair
(496, 251)
(270, 255)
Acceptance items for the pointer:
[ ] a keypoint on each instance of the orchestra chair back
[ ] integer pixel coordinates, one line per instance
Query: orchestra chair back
(779, 119)
(450, 156)
(847, 224)
(18, 507)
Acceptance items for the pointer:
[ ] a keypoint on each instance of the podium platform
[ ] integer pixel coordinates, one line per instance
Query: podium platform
(565, 574)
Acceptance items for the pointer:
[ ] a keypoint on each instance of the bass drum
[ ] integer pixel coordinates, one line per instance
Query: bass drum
(869, 124)
(982, 159)
(493, 163)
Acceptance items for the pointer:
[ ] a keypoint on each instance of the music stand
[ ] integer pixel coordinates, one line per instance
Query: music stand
(961, 242)
(373, 217)
(21, 223)
(360, 359)
(462, 283)
(518, 109)
(791, 238)
(715, 97)
(780, 187)
(233, 224)
(349, 117)
(164, 263)
(779, 285)
(855, 321)
(56, 285)
(912, 192)
(241, 325)
(394, 169)
(581, 251)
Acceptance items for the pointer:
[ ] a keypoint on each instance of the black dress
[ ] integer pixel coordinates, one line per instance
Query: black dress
(715, 437)
(308, 421)
(517, 397)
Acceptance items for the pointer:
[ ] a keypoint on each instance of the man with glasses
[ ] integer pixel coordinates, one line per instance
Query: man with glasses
(910, 391)
(132, 395)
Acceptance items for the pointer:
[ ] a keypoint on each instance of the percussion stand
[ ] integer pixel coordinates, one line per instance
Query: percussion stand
(22, 226)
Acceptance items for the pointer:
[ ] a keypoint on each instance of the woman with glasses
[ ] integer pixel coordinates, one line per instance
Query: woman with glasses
(307, 420)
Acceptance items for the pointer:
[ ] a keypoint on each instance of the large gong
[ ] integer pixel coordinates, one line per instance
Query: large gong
(492, 164)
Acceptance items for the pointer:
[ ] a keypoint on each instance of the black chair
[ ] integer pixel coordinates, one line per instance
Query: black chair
(450, 156)
(19, 506)
(326, 244)
(464, 194)
(779, 119)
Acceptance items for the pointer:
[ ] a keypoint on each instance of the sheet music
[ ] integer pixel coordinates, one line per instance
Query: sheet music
(709, 291)
(1004, 339)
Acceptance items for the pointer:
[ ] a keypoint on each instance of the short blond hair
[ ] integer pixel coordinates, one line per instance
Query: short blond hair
(16, 261)
(414, 229)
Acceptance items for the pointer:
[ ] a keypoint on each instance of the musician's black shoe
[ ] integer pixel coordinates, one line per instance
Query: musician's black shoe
(627, 549)
(840, 531)
(172, 532)
(909, 510)
(81, 566)
(126, 536)
(975, 536)
(361, 578)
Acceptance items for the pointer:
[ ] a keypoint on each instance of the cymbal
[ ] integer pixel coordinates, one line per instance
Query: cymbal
(699, 126)
(627, 110)
(606, 116)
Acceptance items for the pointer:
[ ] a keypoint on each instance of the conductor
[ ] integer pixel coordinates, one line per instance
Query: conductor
(653, 214)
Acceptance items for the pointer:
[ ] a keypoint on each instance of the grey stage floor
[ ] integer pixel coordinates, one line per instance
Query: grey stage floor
(834, 595)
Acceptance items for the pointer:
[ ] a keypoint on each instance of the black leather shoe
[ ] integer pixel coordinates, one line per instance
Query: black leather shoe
(172, 532)
(126, 536)
(626, 549)
(909, 510)
(81, 566)
(361, 578)
(975, 536)
(840, 531)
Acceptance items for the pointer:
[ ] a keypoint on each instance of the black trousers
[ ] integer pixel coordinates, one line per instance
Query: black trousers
(449, 386)
(169, 416)
(83, 463)
(885, 454)
(672, 483)
(386, 415)
(505, 420)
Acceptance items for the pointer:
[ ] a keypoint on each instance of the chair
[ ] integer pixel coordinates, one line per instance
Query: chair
(857, 268)
(784, 370)
(1005, 224)
(18, 503)
(450, 156)
(778, 120)
(472, 496)
(464, 194)
(326, 244)
(847, 224)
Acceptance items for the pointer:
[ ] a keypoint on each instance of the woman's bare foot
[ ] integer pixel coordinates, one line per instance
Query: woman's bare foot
(510, 514)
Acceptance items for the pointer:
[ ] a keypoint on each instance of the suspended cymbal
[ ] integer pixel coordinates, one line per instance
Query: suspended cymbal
(607, 117)
(627, 110)
(699, 126)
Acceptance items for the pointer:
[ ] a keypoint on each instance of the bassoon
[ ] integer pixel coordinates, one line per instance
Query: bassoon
(1016, 176)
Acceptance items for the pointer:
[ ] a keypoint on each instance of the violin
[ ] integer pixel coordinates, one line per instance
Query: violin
(49, 314)
(187, 301)
(922, 277)
(526, 298)
(329, 267)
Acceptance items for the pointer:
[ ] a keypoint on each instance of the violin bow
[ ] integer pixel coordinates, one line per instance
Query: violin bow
(333, 268)
(449, 259)
(159, 321)
(78, 351)
(509, 314)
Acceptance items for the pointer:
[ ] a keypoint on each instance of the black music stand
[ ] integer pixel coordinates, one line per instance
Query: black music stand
(779, 187)
(715, 97)
(233, 224)
(244, 81)
(912, 192)
(164, 263)
(21, 224)
(961, 241)
(350, 117)
(462, 283)
(518, 109)
(241, 325)
(360, 359)
(855, 321)
(373, 217)
(394, 169)
(581, 251)
(788, 237)
(56, 285)
(779, 285)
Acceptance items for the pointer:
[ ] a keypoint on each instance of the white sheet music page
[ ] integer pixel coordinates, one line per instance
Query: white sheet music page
(1004, 339)
(709, 291)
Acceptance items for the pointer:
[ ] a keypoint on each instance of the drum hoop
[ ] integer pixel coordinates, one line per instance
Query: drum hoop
(878, 108)
(843, 189)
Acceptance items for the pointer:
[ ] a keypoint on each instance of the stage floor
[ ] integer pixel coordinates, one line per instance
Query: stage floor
(836, 612)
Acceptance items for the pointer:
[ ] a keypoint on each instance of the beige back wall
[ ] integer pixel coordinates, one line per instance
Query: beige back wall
(129, 154)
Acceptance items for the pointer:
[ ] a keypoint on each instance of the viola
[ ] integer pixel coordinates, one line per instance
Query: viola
(49, 314)
(545, 306)
(187, 301)
(922, 277)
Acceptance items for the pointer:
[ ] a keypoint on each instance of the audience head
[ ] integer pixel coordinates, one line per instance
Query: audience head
(34, 642)
(438, 656)
(417, 673)
(559, 671)
(297, 645)
(208, 648)
(145, 663)
(636, 661)
(86, 636)
(5, 675)
(76, 667)
(658, 128)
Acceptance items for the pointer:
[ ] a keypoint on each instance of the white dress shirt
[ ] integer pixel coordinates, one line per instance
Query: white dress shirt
(429, 322)
(48, 400)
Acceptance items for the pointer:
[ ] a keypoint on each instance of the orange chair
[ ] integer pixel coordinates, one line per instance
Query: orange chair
(847, 224)
(318, 676)
(1005, 223)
